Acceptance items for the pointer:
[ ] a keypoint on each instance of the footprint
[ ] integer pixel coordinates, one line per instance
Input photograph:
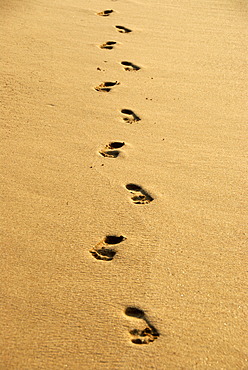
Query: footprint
(128, 66)
(108, 45)
(122, 29)
(145, 336)
(105, 13)
(106, 86)
(101, 250)
(131, 116)
(109, 150)
(140, 195)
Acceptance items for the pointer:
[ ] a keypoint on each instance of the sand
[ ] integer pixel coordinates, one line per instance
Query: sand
(175, 275)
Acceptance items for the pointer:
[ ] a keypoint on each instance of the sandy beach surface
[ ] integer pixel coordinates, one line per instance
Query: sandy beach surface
(123, 184)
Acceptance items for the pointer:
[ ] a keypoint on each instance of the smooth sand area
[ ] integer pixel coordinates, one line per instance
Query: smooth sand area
(123, 184)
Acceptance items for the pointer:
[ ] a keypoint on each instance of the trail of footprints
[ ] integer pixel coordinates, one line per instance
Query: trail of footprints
(107, 248)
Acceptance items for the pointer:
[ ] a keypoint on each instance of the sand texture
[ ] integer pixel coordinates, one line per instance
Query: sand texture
(123, 184)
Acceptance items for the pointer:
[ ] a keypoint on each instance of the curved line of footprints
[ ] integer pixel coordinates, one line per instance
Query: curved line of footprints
(107, 248)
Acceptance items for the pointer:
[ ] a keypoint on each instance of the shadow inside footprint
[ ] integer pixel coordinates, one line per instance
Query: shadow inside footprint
(122, 29)
(141, 196)
(106, 86)
(103, 254)
(105, 13)
(145, 336)
(114, 239)
(101, 250)
(128, 66)
(109, 150)
(116, 145)
(109, 153)
(132, 117)
(135, 312)
(108, 45)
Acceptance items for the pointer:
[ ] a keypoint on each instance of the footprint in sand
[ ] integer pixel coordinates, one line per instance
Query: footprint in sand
(130, 116)
(122, 29)
(128, 66)
(140, 196)
(105, 13)
(143, 336)
(102, 251)
(106, 86)
(108, 45)
(110, 149)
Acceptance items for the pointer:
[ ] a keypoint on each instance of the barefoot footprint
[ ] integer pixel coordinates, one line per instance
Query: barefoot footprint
(108, 45)
(110, 149)
(106, 86)
(101, 251)
(128, 66)
(146, 335)
(140, 195)
(105, 13)
(131, 117)
(122, 29)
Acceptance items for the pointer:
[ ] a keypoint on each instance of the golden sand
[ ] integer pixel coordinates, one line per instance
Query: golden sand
(123, 177)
